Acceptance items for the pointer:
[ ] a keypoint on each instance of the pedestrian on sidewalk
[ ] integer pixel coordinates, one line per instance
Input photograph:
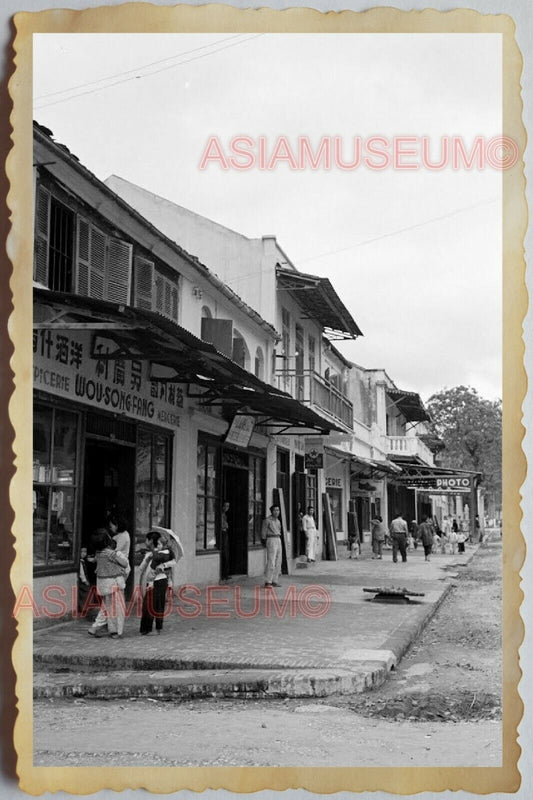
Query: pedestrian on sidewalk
(111, 567)
(413, 534)
(87, 595)
(311, 534)
(354, 536)
(461, 539)
(116, 526)
(425, 533)
(271, 538)
(398, 532)
(154, 580)
(224, 543)
(378, 536)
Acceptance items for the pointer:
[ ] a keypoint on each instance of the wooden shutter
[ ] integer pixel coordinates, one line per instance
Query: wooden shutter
(97, 263)
(219, 332)
(159, 290)
(174, 303)
(239, 355)
(82, 256)
(167, 310)
(144, 283)
(118, 271)
(42, 233)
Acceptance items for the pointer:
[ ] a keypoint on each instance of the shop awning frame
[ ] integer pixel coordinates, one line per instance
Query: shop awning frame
(319, 300)
(409, 404)
(124, 332)
(373, 468)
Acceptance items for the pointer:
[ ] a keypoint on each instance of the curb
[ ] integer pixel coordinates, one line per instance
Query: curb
(188, 685)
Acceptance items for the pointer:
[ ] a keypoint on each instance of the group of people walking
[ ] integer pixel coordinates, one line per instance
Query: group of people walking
(427, 534)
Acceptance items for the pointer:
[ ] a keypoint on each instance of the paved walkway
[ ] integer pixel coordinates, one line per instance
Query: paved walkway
(317, 634)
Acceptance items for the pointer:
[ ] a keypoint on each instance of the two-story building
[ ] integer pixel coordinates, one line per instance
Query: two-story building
(309, 316)
(153, 390)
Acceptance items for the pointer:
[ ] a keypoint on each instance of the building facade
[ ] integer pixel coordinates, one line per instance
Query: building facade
(153, 386)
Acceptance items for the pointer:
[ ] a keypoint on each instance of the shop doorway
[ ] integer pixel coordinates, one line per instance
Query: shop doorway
(109, 476)
(235, 492)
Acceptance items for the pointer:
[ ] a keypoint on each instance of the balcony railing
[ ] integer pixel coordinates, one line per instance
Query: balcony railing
(409, 446)
(311, 388)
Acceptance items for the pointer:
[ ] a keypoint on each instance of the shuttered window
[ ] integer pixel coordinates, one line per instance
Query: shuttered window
(165, 300)
(42, 231)
(144, 283)
(103, 264)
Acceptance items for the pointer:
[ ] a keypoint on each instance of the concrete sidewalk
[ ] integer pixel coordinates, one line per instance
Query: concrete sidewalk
(327, 640)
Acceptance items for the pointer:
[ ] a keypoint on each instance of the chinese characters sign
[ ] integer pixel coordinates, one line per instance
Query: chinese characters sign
(63, 365)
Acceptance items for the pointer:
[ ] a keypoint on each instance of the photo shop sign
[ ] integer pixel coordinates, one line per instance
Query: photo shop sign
(64, 365)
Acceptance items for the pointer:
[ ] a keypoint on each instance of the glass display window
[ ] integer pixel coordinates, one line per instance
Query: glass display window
(55, 486)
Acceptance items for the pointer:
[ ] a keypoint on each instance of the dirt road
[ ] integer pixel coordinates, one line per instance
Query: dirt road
(441, 707)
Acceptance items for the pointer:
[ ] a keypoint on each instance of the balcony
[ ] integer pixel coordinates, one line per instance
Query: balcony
(312, 389)
(409, 446)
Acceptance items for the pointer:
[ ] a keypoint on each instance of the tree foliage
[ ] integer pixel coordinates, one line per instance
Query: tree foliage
(471, 429)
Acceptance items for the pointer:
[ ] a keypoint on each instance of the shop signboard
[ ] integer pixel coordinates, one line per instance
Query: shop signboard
(241, 430)
(440, 484)
(64, 367)
(314, 458)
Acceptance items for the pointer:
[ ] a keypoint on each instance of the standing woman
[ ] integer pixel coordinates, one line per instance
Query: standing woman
(378, 536)
(311, 534)
(111, 566)
(154, 578)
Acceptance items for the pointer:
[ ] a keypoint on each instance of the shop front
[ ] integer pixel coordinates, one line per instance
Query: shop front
(230, 506)
(89, 460)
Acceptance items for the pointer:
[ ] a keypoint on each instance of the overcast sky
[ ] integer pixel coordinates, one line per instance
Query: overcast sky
(414, 255)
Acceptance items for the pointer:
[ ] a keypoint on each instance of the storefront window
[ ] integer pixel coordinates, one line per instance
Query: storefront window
(256, 499)
(206, 496)
(152, 496)
(55, 489)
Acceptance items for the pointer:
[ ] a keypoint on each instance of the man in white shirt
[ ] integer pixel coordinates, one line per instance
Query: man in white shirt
(398, 532)
(271, 538)
(311, 534)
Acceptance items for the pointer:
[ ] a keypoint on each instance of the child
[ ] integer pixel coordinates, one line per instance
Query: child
(154, 579)
(111, 566)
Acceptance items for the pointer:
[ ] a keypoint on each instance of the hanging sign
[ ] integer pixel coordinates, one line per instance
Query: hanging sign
(314, 459)
(241, 430)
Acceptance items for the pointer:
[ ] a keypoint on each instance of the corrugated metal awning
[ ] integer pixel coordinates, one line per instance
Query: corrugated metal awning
(317, 297)
(177, 356)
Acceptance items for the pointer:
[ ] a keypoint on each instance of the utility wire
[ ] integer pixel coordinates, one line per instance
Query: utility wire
(400, 230)
(148, 75)
(383, 236)
(135, 69)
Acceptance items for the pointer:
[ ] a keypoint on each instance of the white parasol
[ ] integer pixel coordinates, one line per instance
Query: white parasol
(173, 541)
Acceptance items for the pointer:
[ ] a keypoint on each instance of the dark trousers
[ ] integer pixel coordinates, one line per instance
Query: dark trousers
(461, 547)
(224, 555)
(154, 602)
(427, 549)
(399, 542)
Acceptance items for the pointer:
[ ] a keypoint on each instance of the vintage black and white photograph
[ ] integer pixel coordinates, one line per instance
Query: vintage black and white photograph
(267, 399)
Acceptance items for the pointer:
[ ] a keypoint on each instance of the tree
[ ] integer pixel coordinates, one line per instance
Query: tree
(471, 429)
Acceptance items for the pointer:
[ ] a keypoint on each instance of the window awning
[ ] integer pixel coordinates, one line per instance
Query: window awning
(177, 356)
(317, 297)
(409, 404)
(365, 467)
